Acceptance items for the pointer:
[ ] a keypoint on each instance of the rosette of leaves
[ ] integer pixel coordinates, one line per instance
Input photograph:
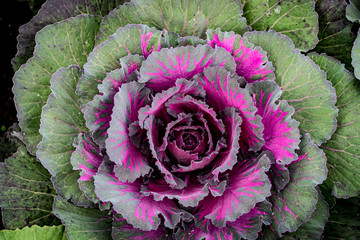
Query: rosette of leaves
(174, 120)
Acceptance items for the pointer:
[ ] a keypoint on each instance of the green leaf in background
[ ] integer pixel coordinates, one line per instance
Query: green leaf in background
(184, 17)
(355, 55)
(343, 149)
(55, 11)
(304, 85)
(61, 122)
(27, 193)
(353, 11)
(35, 233)
(344, 221)
(335, 36)
(60, 45)
(326, 192)
(296, 19)
(314, 228)
(83, 223)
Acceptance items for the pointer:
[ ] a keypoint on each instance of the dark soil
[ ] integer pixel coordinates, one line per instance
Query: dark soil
(13, 14)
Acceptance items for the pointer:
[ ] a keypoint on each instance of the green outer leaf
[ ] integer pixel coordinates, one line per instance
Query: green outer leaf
(54, 11)
(60, 45)
(27, 193)
(83, 223)
(343, 149)
(185, 17)
(353, 11)
(304, 85)
(296, 202)
(35, 233)
(335, 36)
(313, 228)
(344, 221)
(106, 56)
(61, 122)
(296, 19)
(355, 55)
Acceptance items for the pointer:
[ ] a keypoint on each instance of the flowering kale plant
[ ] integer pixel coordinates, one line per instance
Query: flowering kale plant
(184, 119)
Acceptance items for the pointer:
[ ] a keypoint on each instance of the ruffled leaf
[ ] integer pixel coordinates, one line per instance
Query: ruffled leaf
(140, 211)
(223, 91)
(83, 223)
(227, 157)
(281, 133)
(129, 40)
(213, 128)
(174, 147)
(171, 179)
(60, 45)
(187, 197)
(335, 36)
(296, 19)
(130, 162)
(54, 11)
(186, 18)
(150, 116)
(251, 62)
(246, 226)
(303, 85)
(61, 122)
(161, 70)
(87, 157)
(248, 185)
(98, 111)
(296, 202)
(124, 231)
(342, 150)
(27, 193)
(314, 228)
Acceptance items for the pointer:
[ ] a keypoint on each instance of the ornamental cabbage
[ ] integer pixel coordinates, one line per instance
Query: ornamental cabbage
(176, 121)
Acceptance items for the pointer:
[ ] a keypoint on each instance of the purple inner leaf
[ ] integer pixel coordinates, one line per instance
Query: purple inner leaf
(172, 180)
(161, 70)
(248, 185)
(246, 226)
(187, 197)
(281, 133)
(227, 157)
(223, 91)
(251, 63)
(131, 163)
(145, 40)
(87, 157)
